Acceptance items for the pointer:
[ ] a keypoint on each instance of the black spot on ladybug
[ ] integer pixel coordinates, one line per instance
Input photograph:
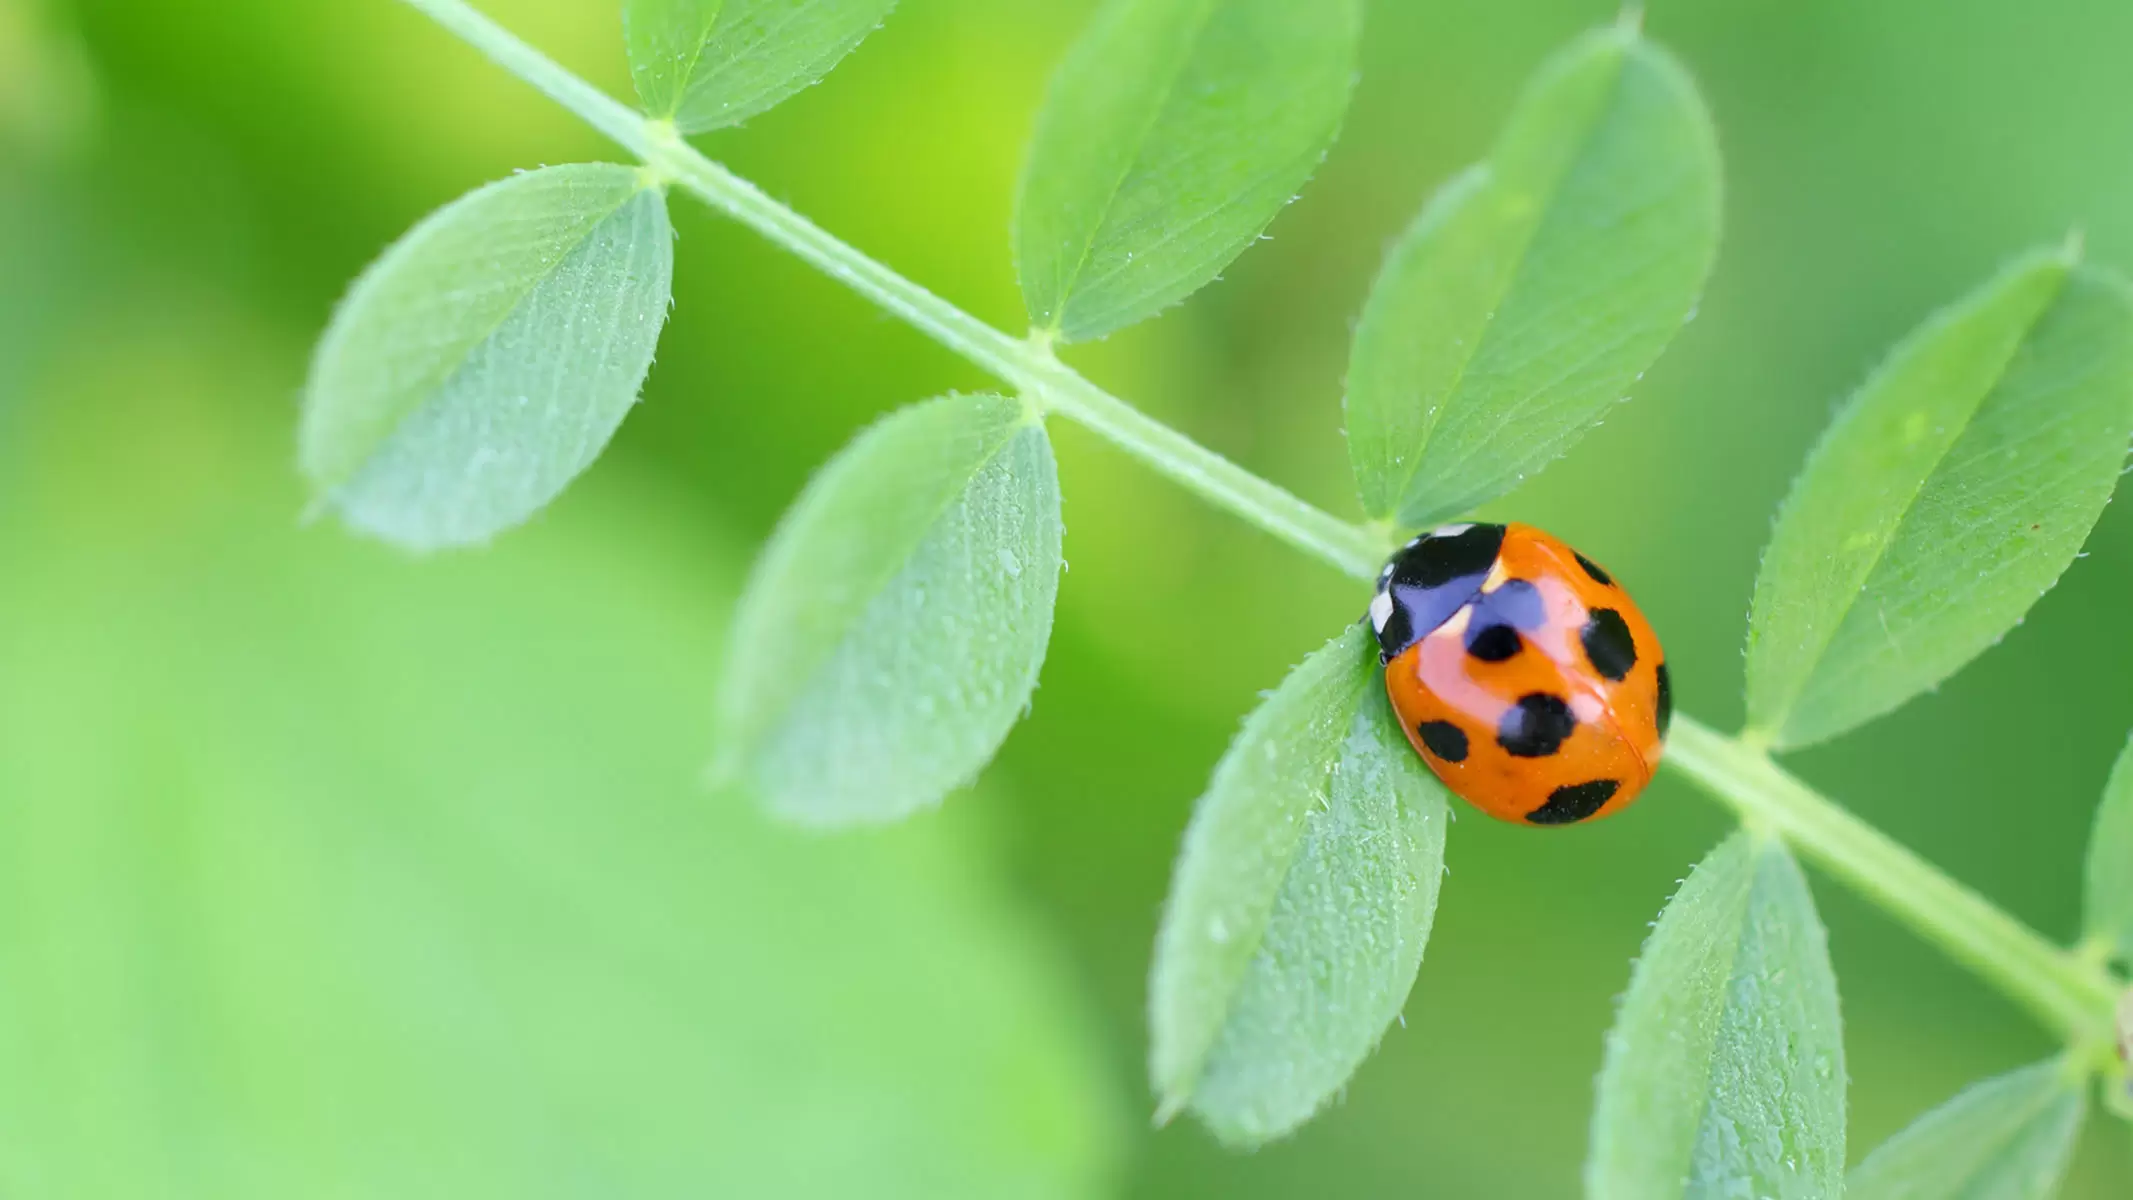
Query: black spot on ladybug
(1569, 805)
(1444, 739)
(1593, 569)
(1665, 707)
(1608, 644)
(1536, 727)
(1493, 643)
(1431, 578)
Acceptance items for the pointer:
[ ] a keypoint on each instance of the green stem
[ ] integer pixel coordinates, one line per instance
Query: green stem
(2068, 992)
(1027, 364)
(2072, 995)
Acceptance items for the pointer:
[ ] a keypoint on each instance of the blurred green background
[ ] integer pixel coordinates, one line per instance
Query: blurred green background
(327, 872)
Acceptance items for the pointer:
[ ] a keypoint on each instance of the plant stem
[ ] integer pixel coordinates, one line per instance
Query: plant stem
(1028, 365)
(2072, 995)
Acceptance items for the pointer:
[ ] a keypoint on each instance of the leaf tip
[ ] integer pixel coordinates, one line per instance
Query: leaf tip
(1630, 21)
(1167, 1110)
(724, 770)
(2075, 245)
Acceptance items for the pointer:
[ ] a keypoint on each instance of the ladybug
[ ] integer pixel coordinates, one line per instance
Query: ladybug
(1522, 672)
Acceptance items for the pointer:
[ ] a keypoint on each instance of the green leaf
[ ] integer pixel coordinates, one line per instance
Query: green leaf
(1301, 904)
(1536, 287)
(894, 628)
(1944, 500)
(2008, 1138)
(707, 64)
(2108, 916)
(1174, 132)
(336, 876)
(1725, 1068)
(487, 358)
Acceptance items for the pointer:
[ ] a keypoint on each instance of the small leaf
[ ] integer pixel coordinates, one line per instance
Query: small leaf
(2008, 1138)
(893, 630)
(486, 359)
(2109, 912)
(1302, 902)
(1174, 132)
(1536, 287)
(1725, 1069)
(707, 64)
(1944, 500)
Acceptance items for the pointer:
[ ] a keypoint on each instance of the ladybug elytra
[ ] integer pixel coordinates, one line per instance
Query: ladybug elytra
(1522, 672)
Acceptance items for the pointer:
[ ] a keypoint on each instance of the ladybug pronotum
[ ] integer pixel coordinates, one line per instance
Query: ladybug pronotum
(1524, 675)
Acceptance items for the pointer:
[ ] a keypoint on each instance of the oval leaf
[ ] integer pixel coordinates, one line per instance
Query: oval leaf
(2109, 911)
(1536, 287)
(1725, 1068)
(2008, 1138)
(707, 64)
(893, 631)
(1302, 902)
(488, 357)
(1174, 132)
(1944, 500)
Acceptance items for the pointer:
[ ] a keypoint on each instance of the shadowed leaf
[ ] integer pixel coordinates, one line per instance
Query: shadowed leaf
(2109, 911)
(488, 357)
(707, 64)
(1725, 1068)
(1537, 286)
(2008, 1138)
(1173, 133)
(1301, 903)
(892, 632)
(1944, 500)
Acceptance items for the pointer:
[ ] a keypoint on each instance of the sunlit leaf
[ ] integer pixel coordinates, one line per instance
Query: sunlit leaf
(711, 63)
(1944, 500)
(1725, 1068)
(487, 358)
(1301, 904)
(1536, 287)
(2008, 1138)
(335, 876)
(2109, 912)
(892, 633)
(1174, 132)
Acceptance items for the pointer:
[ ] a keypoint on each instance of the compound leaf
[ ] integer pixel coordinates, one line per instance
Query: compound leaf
(486, 359)
(1725, 1068)
(893, 630)
(1301, 904)
(1945, 499)
(1173, 133)
(1536, 287)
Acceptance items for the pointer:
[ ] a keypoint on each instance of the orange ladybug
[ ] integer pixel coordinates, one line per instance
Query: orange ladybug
(1524, 675)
